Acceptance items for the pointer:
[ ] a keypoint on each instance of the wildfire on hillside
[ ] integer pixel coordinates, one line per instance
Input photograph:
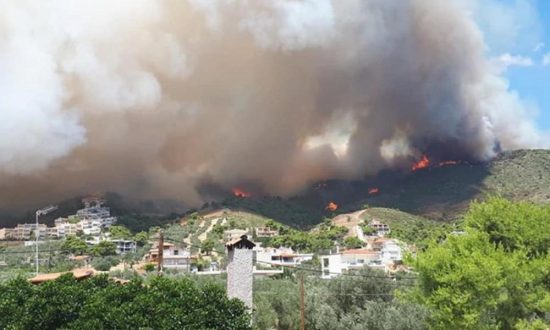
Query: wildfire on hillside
(373, 191)
(237, 192)
(424, 162)
(331, 207)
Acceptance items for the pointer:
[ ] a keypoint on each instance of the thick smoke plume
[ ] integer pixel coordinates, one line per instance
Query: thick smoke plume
(161, 98)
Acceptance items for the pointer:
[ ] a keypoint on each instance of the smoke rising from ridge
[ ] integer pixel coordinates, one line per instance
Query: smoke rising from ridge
(158, 98)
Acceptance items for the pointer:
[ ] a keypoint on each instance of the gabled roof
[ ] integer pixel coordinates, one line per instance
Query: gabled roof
(240, 243)
(77, 274)
(382, 240)
(360, 251)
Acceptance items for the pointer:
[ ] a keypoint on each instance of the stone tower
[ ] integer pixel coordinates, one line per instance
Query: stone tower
(240, 270)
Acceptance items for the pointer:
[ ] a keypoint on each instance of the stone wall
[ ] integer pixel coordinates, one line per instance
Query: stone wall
(240, 275)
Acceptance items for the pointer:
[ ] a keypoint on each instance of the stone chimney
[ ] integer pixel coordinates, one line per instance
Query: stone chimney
(240, 270)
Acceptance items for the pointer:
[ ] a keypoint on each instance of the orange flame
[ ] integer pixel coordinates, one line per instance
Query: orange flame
(424, 162)
(373, 191)
(448, 162)
(240, 193)
(331, 207)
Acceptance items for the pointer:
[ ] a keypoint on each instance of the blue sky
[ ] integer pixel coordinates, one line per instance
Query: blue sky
(519, 31)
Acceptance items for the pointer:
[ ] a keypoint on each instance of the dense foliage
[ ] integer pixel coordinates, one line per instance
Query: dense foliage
(99, 303)
(74, 245)
(105, 263)
(406, 227)
(363, 301)
(120, 232)
(496, 275)
(104, 248)
(315, 241)
(297, 212)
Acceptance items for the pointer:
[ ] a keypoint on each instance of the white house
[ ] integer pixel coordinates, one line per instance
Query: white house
(390, 252)
(24, 231)
(381, 229)
(335, 264)
(96, 212)
(267, 257)
(124, 246)
(91, 227)
(266, 232)
(172, 256)
(68, 229)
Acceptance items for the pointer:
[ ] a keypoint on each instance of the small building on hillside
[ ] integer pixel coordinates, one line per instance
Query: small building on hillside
(91, 227)
(26, 231)
(173, 257)
(378, 243)
(78, 274)
(266, 232)
(390, 252)
(386, 256)
(93, 201)
(68, 229)
(51, 232)
(380, 228)
(124, 246)
(267, 257)
(6, 233)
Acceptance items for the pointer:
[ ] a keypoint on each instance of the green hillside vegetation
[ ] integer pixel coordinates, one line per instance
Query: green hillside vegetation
(298, 212)
(438, 193)
(521, 175)
(408, 227)
(444, 193)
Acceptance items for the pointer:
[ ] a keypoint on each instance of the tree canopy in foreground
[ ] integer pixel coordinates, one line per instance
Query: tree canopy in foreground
(99, 303)
(494, 276)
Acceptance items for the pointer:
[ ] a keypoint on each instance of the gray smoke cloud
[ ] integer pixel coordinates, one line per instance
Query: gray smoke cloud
(157, 98)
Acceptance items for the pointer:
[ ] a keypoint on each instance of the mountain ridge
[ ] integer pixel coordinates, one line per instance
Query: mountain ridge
(438, 193)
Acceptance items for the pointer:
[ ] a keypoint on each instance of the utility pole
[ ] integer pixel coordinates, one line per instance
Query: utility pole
(42, 211)
(36, 239)
(161, 251)
(302, 305)
(49, 256)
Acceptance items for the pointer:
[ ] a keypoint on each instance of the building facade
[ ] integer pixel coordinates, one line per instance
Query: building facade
(267, 257)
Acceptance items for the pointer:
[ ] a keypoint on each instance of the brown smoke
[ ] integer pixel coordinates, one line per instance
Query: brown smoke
(156, 98)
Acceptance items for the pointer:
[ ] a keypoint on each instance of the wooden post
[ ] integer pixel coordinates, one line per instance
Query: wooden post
(302, 304)
(160, 252)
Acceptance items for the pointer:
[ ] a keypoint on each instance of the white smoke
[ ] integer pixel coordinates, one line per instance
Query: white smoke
(154, 97)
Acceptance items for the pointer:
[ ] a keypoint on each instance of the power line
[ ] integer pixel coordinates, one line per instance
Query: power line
(338, 274)
(268, 293)
(23, 252)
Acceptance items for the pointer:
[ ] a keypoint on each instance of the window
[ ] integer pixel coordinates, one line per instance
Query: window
(176, 252)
